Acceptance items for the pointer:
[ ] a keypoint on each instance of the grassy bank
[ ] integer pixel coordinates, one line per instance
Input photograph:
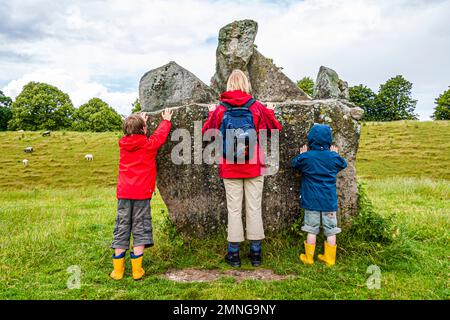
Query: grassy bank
(58, 161)
(404, 149)
(59, 212)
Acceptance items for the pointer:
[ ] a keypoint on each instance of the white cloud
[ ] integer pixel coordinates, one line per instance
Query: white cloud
(86, 45)
(79, 87)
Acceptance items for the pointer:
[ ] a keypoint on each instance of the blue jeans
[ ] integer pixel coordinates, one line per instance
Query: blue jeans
(312, 223)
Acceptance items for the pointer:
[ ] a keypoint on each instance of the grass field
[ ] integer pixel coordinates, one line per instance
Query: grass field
(60, 210)
(405, 149)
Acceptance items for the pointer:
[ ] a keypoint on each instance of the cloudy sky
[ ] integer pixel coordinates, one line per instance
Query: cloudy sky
(102, 47)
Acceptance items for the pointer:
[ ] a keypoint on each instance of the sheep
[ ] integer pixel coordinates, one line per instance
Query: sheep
(89, 157)
(46, 133)
(28, 149)
(25, 162)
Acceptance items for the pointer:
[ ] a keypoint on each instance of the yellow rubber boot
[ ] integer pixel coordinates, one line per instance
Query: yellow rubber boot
(329, 255)
(136, 267)
(119, 268)
(308, 256)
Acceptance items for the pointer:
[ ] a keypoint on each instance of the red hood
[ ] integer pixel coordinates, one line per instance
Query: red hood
(235, 98)
(133, 142)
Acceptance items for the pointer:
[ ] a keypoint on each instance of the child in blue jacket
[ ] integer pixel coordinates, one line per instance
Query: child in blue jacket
(319, 166)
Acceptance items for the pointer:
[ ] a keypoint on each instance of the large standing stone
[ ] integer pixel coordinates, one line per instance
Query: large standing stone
(172, 85)
(329, 86)
(236, 50)
(194, 193)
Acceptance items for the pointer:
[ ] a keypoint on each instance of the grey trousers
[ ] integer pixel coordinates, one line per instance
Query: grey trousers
(133, 218)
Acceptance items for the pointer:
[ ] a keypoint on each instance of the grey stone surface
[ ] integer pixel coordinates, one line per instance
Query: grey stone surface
(172, 85)
(195, 195)
(236, 50)
(357, 113)
(269, 83)
(329, 86)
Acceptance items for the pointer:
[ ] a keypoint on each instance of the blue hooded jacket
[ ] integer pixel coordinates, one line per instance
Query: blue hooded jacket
(319, 167)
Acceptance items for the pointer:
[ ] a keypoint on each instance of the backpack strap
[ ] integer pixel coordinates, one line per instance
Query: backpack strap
(249, 103)
(226, 105)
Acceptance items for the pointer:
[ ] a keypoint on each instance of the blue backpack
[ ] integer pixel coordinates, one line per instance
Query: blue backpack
(238, 132)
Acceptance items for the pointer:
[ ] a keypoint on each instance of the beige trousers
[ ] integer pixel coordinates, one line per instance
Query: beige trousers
(251, 189)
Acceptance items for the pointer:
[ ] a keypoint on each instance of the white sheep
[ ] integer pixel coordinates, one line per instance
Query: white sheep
(89, 157)
(28, 149)
(25, 162)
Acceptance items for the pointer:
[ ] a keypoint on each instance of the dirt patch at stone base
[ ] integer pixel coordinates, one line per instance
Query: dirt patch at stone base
(204, 275)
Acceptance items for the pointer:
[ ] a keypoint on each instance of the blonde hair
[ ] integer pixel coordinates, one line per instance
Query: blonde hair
(238, 81)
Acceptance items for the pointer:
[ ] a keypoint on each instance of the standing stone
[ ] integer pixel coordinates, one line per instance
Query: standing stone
(329, 86)
(195, 195)
(192, 190)
(172, 85)
(236, 50)
(269, 83)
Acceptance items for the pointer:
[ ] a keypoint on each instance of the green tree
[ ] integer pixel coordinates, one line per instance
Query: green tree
(96, 115)
(442, 110)
(41, 106)
(136, 106)
(365, 98)
(307, 85)
(395, 98)
(5, 111)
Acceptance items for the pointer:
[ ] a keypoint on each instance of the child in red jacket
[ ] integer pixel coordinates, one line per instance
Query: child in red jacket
(135, 186)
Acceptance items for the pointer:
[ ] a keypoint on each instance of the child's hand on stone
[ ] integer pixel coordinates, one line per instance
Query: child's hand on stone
(212, 107)
(143, 115)
(167, 114)
(270, 106)
(334, 149)
(304, 149)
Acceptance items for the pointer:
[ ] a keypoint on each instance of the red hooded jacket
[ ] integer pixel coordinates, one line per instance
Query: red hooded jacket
(137, 164)
(263, 118)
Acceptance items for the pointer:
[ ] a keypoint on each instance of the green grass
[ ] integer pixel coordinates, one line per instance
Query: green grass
(60, 212)
(58, 161)
(404, 149)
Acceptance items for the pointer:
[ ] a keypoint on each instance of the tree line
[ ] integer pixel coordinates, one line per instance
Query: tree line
(393, 101)
(41, 106)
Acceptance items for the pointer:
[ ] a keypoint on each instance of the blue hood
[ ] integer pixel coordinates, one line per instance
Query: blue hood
(319, 137)
(319, 168)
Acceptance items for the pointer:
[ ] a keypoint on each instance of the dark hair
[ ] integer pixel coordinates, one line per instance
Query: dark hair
(133, 124)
